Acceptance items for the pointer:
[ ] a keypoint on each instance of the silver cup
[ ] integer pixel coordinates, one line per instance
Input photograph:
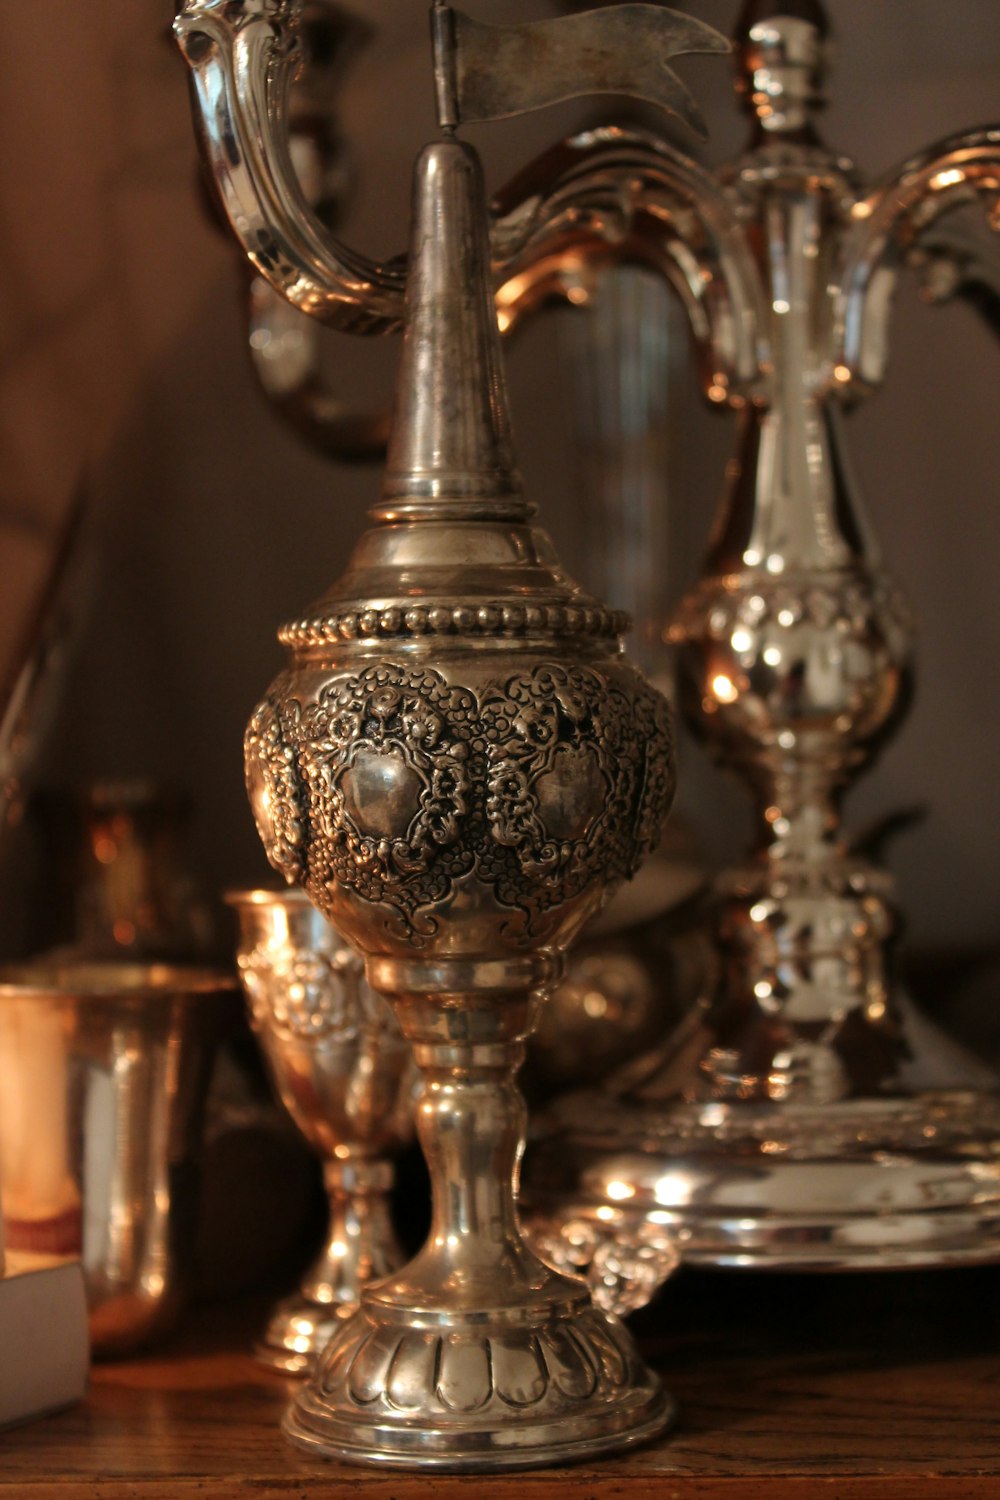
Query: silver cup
(346, 1076)
(104, 1070)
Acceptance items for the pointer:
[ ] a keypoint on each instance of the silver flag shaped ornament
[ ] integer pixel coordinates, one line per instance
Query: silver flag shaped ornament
(489, 72)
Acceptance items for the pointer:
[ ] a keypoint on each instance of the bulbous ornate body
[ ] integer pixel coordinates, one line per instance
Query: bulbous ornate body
(459, 779)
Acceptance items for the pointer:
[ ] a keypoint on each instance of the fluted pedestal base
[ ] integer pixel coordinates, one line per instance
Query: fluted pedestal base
(546, 1382)
(476, 1356)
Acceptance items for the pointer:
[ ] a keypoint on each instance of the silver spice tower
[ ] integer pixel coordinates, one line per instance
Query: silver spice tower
(457, 765)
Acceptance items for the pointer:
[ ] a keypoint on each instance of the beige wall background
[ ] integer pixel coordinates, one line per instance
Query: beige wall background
(122, 368)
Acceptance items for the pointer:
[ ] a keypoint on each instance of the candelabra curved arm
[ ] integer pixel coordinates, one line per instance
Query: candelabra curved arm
(285, 348)
(955, 261)
(601, 197)
(890, 226)
(604, 196)
(242, 55)
(609, 196)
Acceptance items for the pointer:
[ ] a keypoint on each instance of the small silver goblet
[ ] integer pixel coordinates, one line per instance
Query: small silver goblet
(346, 1076)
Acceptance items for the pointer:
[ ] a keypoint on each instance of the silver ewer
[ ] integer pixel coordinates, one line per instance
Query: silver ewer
(104, 1069)
(805, 1116)
(345, 1074)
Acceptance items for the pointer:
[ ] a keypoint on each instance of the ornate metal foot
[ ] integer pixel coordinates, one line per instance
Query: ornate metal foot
(477, 1355)
(538, 1388)
(361, 1246)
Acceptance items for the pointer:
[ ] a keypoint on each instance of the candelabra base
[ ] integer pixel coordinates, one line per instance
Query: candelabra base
(630, 1190)
(545, 1382)
(659, 1168)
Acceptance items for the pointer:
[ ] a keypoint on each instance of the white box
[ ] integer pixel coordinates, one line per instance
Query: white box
(43, 1336)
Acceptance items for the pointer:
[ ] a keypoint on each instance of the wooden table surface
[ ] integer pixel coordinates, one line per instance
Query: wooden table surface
(791, 1388)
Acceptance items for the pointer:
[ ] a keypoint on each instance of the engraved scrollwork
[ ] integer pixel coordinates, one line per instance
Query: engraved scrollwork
(385, 760)
(848, 1128)
(570, 787)
(273, 785)
(399, 783)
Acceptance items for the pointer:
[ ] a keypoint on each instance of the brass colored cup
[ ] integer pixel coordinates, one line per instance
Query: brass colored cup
(104, 1071)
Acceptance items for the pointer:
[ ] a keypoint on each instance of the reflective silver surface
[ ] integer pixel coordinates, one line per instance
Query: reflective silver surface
(636, 969)
(806, 1116)
(436, 767)
(346, 1076)
(241, 59)
(104, 1070)
(457, 764)
(604, 196)
(285, 344)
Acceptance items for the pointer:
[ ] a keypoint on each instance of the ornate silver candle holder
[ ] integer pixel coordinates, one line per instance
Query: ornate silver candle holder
(458, 762)
(805, 1116)
(345, 1074)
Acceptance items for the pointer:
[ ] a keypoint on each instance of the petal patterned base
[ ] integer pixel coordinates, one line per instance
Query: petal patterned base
(507, 1391)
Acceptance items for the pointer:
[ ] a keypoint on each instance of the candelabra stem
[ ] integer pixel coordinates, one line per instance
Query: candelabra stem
(805, 1116)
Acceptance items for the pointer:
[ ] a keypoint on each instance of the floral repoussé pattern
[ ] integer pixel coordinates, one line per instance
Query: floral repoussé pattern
(394, 783)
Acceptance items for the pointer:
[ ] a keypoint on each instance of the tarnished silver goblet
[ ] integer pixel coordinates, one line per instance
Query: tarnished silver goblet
(345, 1074)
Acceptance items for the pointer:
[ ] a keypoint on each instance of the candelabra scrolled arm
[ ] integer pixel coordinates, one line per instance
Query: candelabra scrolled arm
(954, 260)
(612, 196)
(602, 197)
(619, 196)
(287, 359)
(896, 224)
(242, 55)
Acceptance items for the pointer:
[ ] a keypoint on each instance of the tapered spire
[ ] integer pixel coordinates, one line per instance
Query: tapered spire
(450, 455)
